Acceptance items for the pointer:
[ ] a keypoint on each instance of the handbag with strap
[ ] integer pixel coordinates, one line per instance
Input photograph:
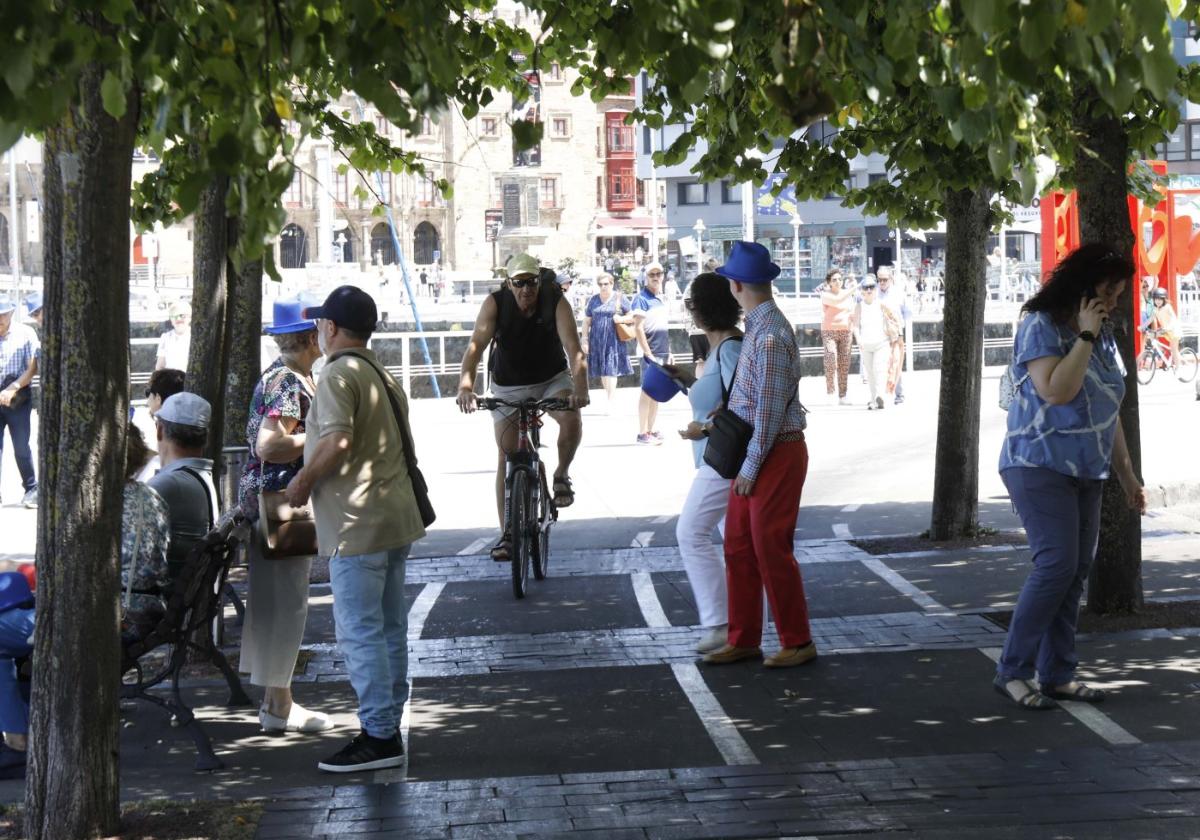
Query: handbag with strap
(286, 530)
(419, 487)
(625, 332)
(729, 435)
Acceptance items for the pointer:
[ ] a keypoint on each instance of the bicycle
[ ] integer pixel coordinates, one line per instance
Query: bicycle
(528, 503)
(1156, 354)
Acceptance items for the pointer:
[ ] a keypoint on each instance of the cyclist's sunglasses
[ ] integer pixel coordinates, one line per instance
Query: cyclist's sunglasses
(523, 283)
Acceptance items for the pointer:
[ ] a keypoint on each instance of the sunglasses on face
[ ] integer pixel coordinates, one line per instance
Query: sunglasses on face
(524, 282)
(868, 288)
(654, 274)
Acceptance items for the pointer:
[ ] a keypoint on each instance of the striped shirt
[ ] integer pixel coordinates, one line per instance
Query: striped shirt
(765, 391)
(18, 348)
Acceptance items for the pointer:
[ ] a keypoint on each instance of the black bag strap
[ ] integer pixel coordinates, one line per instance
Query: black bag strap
(207, 496)
(717, 353)
(410, 455)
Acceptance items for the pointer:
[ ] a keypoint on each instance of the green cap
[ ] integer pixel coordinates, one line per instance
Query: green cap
(523, 264)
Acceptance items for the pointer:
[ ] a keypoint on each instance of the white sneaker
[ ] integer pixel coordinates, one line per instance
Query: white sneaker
(299, 719)
(714, 639)
(845, 401)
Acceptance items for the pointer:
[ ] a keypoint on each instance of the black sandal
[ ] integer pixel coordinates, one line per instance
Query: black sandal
(1034, 700)
(564, 495)
(1081, 693)
(502, 550)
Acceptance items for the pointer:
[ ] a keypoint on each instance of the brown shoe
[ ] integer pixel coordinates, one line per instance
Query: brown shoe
(790, 657)
(729, 653)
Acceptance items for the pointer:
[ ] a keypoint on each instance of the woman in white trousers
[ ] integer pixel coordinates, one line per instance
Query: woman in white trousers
(713, 309)
(874, 327)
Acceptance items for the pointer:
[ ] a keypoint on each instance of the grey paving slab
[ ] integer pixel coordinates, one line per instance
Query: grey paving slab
(553, 605)
(899, 704)
(554, 722)
(968, 580)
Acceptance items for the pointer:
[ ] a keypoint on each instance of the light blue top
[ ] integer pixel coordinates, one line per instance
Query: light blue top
(705, 395)
(1075, 439)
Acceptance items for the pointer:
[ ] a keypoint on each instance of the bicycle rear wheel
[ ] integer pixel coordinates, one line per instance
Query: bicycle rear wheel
(545, 518)
(1185, 368)
(521, 528)
(1147, 364)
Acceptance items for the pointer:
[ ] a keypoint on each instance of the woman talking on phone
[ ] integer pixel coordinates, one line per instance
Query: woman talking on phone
(1064, 439)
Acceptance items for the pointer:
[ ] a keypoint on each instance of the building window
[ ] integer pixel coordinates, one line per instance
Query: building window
(1194, 131)
(620, 138)
(555, 73)
(341, 187)
(599, 192)
(1177, 144)
(293, 196)
(876, 177)
(731, 193)
(641, 193)
(646, 140)
(693, 193)
(549, 193)
(599, 142)
(381, 125)
(428, 195)
(489, 126)
(560, 127)
(622, 185)
(426, 127)
(497, 193)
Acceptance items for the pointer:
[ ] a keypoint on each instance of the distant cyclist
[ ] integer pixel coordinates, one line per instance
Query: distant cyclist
(535, 355)
(1165, 320)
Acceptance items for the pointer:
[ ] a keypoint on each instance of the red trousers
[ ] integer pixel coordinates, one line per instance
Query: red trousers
(759, 533)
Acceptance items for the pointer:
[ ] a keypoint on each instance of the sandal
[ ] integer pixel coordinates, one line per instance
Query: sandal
(564, 496)
(1033, 700)
(502, 550)
(1081, 692)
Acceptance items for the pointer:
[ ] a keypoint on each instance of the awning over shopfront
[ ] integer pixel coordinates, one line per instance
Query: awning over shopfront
(617, 226)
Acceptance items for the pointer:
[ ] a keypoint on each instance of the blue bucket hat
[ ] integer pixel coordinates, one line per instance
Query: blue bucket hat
(33, 302)
(749, 262)
(6, 304)
(289, 317)
(658, 385)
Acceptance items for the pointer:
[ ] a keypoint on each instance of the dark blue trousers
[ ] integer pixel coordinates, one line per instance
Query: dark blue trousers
(1061, 516)
(17, 421)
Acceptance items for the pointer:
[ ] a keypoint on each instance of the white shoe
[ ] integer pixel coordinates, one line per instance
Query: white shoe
(845, 401)
(714, 639)
(299, 719)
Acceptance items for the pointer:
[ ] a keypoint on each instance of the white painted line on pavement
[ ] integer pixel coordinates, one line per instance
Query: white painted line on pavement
(422, 605)
(725, 736)
(642, 540)
(647, 598)
(474, 547)
(908, 590)
(660, 520)
(851, 508)
(842, 531)
(1087, 714)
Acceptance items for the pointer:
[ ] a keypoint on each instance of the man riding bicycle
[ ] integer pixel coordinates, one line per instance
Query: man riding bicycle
(535, 355)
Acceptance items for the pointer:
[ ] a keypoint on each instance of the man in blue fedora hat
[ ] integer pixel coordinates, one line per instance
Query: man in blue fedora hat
(761, 519)
(33, 307)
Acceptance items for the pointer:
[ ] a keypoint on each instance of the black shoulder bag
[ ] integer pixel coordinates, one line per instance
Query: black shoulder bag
(729, 435)
(419, 487)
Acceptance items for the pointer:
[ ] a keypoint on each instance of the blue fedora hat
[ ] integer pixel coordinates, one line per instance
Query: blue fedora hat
(289, 317)
(33, 302)
(749, 262)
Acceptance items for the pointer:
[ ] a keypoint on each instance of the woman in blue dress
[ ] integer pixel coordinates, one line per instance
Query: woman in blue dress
(608, 356)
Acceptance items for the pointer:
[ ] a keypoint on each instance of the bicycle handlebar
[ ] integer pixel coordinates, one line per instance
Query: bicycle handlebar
(550, 404)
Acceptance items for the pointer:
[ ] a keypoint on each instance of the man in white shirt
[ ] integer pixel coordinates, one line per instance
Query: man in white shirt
(174, 345)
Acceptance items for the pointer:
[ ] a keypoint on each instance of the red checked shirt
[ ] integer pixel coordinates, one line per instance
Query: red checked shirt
(764, 390)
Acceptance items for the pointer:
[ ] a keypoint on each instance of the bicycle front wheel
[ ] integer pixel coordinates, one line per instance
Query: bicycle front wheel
(1147, 363)
(1185, 369)
(521, 526)
(545, 518)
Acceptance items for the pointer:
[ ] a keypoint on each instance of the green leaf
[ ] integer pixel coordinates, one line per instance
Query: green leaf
(981, 14)
(999, 160)
(975, 95)
(1038, 30)
(1160, 71)
(112, 92)
(18, 67)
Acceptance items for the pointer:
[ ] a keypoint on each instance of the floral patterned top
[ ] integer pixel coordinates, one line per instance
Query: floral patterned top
(280, 392)
(145, 534)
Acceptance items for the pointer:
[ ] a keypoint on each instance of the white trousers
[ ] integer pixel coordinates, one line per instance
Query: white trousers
(276, 612)
(703, 559)
(875, 359)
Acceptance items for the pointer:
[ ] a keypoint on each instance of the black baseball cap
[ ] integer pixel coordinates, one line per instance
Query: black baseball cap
(349, 307)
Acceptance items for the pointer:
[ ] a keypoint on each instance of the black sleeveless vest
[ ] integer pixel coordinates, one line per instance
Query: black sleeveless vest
(526, 351)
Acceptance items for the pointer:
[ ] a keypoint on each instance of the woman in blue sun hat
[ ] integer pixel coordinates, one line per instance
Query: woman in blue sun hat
(277, 608)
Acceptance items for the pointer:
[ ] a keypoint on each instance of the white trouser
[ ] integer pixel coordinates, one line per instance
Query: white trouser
(875, 359)
(703, 559)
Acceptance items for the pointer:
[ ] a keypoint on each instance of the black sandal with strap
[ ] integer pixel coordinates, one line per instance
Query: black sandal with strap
(563, 491)
(1033, 700)
(502, 550)
(1082, 693)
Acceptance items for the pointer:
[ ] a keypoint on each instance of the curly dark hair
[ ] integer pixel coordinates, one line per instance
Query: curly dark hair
(712, 305)
(833, 272)
(1077, 276)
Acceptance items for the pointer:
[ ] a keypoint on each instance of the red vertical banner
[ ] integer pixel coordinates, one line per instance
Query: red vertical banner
(1060, 228)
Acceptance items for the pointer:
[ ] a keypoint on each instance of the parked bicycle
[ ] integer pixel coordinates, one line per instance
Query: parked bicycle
(1156, 354)
(529, 510)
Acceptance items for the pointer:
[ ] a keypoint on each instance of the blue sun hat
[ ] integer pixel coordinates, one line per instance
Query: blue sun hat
(749, 262)
(288, 315)
(33, 302)
(658, 384)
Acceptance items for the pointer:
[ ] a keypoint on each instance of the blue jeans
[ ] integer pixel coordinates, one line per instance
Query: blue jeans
(16, 626)
(18, 422)
(1061, 516)
(372, 631)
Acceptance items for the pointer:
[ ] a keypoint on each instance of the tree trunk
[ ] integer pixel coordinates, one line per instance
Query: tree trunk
(956, 466)
(206, 358)
(72, 787)
(1115, 584)
(243, 338)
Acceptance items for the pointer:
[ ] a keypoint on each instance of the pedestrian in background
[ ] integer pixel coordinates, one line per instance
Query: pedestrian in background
(277, 606)
(33, 307)
(893, 294)
(607, 355)
(760, 525)
(1064, 440)
(651, 319)
(163, 384)
(175, 343)
(837, 307)
(716, 311)
(367, 517)
(19, 349)
(877, 331)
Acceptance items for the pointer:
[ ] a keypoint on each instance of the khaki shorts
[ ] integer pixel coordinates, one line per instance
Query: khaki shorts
(556, 385)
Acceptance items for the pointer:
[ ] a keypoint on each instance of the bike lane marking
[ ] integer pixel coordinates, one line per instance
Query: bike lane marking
(904, 587)
(474, 547)
(851, 508)
(647, 598)
(842, 531)
(642, 540)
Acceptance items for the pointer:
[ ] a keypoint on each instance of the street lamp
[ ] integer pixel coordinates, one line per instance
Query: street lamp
(796, 222)
(698, 228)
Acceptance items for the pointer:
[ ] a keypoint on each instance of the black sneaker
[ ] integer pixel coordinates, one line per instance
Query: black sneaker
(365, 753)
